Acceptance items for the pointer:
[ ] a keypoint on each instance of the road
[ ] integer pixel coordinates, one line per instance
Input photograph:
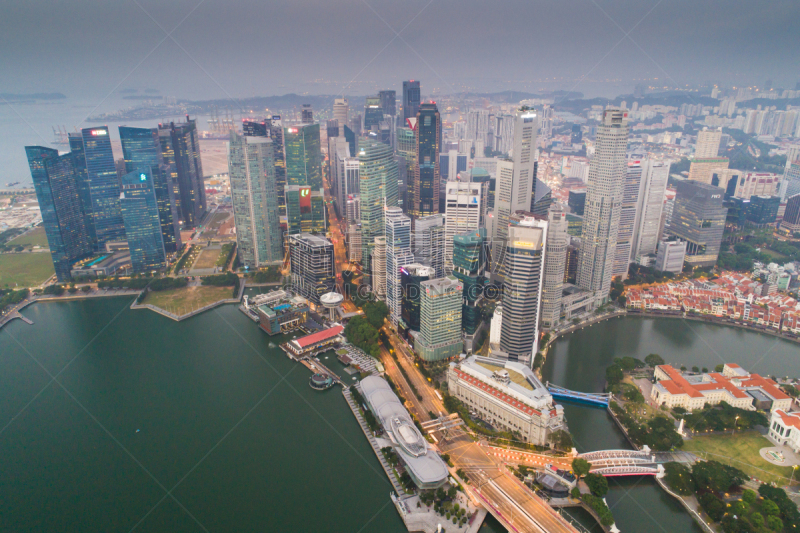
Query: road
(336, 230)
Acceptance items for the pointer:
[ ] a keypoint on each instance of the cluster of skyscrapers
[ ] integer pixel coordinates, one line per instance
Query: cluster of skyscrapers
(89, 205)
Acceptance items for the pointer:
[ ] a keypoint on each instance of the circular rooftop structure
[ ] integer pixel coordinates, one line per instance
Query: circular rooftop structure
(331, 300)
(320, 381)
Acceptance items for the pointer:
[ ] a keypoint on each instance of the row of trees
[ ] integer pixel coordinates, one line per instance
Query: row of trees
(658, 432)
(598, 486)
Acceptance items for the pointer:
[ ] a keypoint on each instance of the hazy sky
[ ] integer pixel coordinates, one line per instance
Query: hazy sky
(242, 48)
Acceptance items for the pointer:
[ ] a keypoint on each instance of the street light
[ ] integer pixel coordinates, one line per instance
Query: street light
(734, 425)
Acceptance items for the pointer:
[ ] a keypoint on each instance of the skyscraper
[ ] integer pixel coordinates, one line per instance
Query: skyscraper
(180, 149)
(428, 243)
(312, 266)
(607, 172)
(462, 214)
(707, 144)
(378, 263)
(307, 114)
(378, 189)
(398, 253)
(103, 186)
(411, 276)
(251, 169)
(84, 190)
(627, 220)
(373, 112)
(303, 155)
(515, 178)
(276, 134)
(554, 265)
(424, 188)
(411, 99)
(522, 288)
(648, 213)
(341, 112)
(469, 266)
(140, 213)
(698, 218)
(440, 319)
(142, 149)
(305, 210)
(388, 102)
(57, 189)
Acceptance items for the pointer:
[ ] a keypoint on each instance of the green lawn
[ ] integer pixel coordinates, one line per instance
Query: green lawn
(35, 237)
(25, 269)
(740, 451)
(182, 301)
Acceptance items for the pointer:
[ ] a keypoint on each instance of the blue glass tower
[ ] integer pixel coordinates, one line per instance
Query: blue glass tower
(103, 185)
(142, 223)
(79, 162)
(141, 148)
(56, 183)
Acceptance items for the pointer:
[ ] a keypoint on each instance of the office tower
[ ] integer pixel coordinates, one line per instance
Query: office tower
(101, 174)
(388, 102)
(140, 214)
(554, 265)
(355, 125)
(252, 128)
(576, 136)
(303, 155)
(576, 201)
(707, 146)
(627, 220)
(341, 112)
(398, 253)
(378, 189)
(347, 177)
(411, 99)
(607, 172)
(522, 288)
(411, 275)
(305, 210)
(142, 149)
(698, 218)
(790, 185)
(373, 112)
(791, 216)
(332, 128)
(571, 265)
(354, 250)
(180, 149)
(84, 189)
(515, 178)
(703, 170)
(462, 214)
(353, 210)
(307, 114)
(477, 125)
(119, 165)
(428, 243)
(378, 263)
(312, 266)
(647, 229)
(503, 128)
(670, 256)
(541, 199)
(440, 319)
(469, 266)
(251, 169)
(387, 131)
(424, 187)
(276, 134)
(56, 182)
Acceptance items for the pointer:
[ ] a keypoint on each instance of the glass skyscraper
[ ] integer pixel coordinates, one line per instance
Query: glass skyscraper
(411, 99)
(305, 210)
(424, 188)
(140, 214)
(180, 149)
(79, 162)
(56, 183)
(142, 149)
(378, 189)
(103, 185)
(469, 266)
(303, 155)
(373, 112)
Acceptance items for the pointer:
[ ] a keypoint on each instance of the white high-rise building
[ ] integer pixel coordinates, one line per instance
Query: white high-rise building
(523, 270)
(515, 178)
(353, 209)
(555, 261)
(478, 125)
(354, 249)
(627, 220)
(503, 133)
(398, 253)
(341, 112)
(707, 144)
(428, 243)
(646, 233)
(462, 214)
(601, 213)
(378, 261)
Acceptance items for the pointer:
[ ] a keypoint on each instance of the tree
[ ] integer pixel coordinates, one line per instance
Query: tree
(716, 477)
(774, 523)
(679, 478)
(376, 312)
(770, 508)
(712, 505)
(561, 440)
(86, 288)
(614, 374)
(538, 361)
(719, 368)
(597, 484)
(581, 467)
(749, 496)
(654, 360)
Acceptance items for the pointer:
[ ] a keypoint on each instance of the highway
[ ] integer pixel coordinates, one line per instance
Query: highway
(336, 230)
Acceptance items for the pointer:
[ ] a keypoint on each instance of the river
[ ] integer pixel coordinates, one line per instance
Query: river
(211, 410)
(578, 361)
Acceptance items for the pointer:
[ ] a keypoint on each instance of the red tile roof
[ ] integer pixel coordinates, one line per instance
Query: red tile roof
(788, 419)
(319, 336)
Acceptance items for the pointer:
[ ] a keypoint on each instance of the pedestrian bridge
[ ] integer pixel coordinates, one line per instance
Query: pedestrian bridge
(632, 462)
(599, 399)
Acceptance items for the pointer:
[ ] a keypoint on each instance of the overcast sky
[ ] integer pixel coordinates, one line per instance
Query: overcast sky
(242, 48)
